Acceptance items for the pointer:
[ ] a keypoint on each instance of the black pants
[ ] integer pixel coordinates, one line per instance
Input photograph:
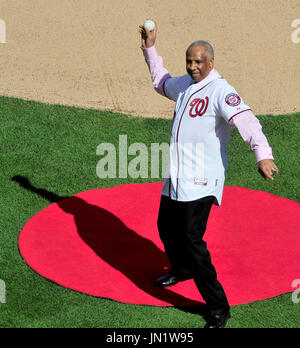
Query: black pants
(181, 227)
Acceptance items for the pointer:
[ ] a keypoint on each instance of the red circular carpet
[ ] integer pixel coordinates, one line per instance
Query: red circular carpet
(105, 243)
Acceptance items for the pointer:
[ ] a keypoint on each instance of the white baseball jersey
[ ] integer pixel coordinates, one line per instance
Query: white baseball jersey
(200, 135)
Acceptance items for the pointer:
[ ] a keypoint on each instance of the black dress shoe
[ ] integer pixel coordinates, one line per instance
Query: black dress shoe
(166, 281)
(217, 321)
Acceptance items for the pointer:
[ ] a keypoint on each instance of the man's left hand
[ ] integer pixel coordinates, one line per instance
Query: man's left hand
(267, 168)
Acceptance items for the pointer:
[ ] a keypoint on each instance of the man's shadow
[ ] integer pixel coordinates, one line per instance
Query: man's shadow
(138, 258)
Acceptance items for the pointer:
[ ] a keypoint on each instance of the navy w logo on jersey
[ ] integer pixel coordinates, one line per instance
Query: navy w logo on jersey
(199, 107)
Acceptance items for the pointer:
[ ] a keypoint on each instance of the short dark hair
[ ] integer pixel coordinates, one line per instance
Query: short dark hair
(209, 49)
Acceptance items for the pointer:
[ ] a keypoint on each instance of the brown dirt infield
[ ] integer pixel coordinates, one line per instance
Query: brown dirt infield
(86, 52)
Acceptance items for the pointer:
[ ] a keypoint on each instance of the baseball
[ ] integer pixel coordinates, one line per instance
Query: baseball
(150, 25)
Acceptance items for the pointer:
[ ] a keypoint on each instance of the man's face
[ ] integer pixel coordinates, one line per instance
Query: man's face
(197, 64)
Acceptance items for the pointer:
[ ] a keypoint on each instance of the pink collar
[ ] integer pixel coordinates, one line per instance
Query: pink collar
(208, 77)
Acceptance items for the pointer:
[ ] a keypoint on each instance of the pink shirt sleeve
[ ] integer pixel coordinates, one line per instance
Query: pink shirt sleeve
(250, 130)
(163, 82)
(158, 73)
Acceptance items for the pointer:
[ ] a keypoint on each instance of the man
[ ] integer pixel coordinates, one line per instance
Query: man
(206, 109)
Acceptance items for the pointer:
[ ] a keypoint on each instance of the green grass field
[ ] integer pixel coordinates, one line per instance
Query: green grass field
(55, 148)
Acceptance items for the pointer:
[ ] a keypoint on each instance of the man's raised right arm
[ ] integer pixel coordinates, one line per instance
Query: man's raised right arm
(162, 81)
(159, 74)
